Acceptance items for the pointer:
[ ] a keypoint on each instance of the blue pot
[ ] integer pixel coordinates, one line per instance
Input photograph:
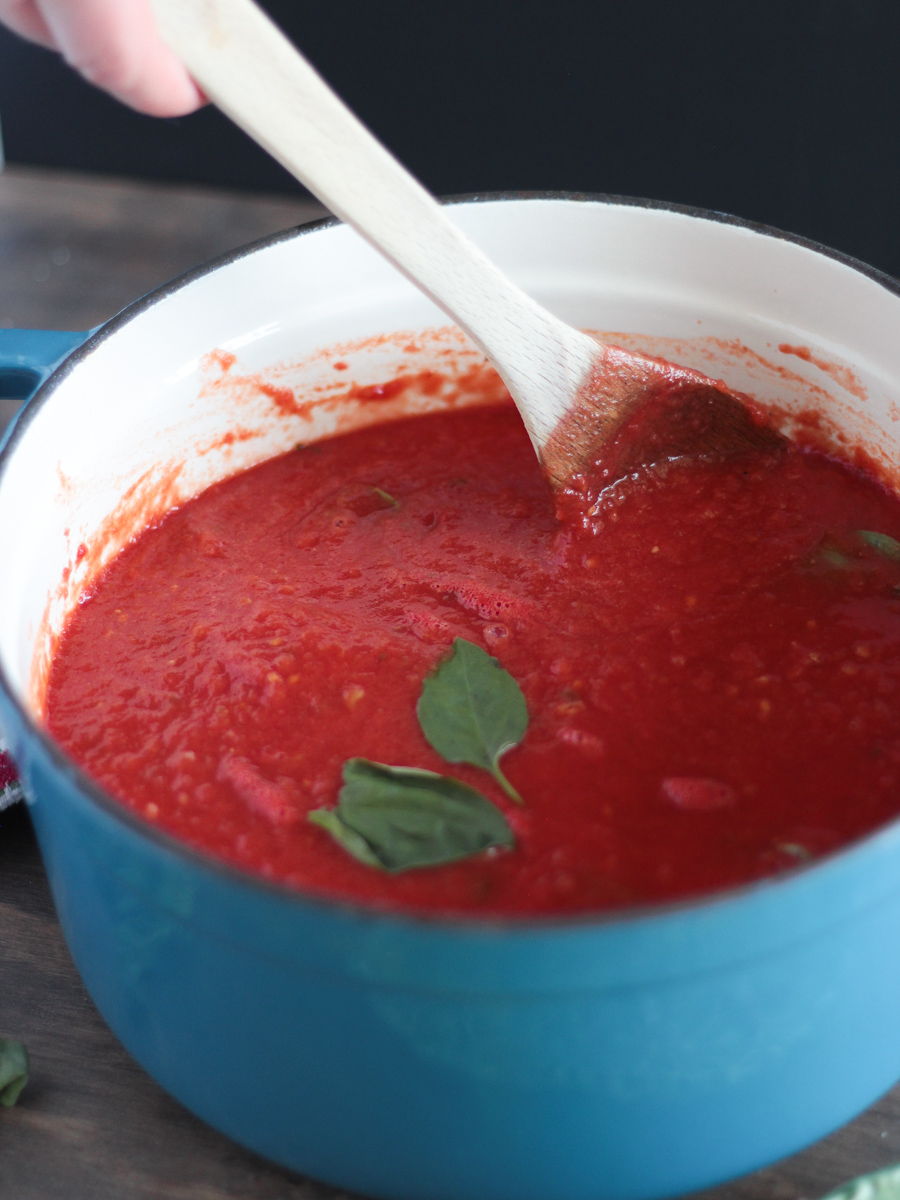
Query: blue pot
(631, 1056)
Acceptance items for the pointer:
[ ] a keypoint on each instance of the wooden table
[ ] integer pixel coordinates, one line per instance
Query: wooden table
(91, 1125)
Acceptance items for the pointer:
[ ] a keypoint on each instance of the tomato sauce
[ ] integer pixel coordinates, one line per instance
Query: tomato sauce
(710, 657)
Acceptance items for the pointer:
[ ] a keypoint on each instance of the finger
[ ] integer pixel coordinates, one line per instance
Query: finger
(23, 17)
(115, 45)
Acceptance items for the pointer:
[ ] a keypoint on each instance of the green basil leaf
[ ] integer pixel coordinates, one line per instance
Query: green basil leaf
(879, 1185)
(794, 850)
(13, 1071)
(329, 820)
(400, 817)
(883, 543)
(473, 711)
(831, 557)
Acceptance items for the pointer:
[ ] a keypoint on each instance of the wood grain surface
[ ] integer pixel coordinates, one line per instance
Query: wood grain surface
(74, 249)
(92, 1125)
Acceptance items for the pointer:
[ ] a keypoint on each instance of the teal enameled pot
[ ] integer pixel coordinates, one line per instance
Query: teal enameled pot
(638, 1055)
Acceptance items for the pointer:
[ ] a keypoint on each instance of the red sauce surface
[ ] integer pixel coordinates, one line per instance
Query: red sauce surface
(711, 661)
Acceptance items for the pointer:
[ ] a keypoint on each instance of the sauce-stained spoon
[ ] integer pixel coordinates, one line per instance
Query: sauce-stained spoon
(582, 402)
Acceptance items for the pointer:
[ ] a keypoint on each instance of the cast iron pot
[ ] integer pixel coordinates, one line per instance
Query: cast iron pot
(636, 1055)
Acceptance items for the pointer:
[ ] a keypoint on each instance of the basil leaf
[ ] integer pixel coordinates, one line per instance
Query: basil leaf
(834, 558)
(396, 818)
(13, 1071)
(329, 820)
(794, 850)
(883, 543)
(473, 711)
(879, 1185)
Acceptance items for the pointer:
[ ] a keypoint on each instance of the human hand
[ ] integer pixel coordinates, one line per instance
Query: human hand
(113, 44)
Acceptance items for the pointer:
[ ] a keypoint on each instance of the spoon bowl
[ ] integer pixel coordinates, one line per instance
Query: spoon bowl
(635, 410)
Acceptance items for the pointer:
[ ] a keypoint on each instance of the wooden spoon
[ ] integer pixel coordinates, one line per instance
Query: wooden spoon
(582, 402)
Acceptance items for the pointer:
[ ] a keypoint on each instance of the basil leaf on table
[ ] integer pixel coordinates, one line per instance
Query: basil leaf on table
(396, 818)
(473, 711)
(883, 543)
(13, 1071)
(879, 1185)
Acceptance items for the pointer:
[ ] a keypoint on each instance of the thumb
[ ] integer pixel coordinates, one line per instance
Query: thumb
(115, 44)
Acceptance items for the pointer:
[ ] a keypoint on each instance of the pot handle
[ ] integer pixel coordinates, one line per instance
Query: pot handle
(27, 357)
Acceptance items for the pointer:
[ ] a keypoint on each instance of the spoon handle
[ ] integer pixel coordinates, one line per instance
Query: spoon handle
(253, 73)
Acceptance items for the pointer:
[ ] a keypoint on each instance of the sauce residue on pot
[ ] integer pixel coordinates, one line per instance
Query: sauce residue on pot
(709, 653)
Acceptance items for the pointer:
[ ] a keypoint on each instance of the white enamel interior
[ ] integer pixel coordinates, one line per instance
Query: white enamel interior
(148, 398)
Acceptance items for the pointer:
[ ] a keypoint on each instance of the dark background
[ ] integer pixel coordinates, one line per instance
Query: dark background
(782, 111)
